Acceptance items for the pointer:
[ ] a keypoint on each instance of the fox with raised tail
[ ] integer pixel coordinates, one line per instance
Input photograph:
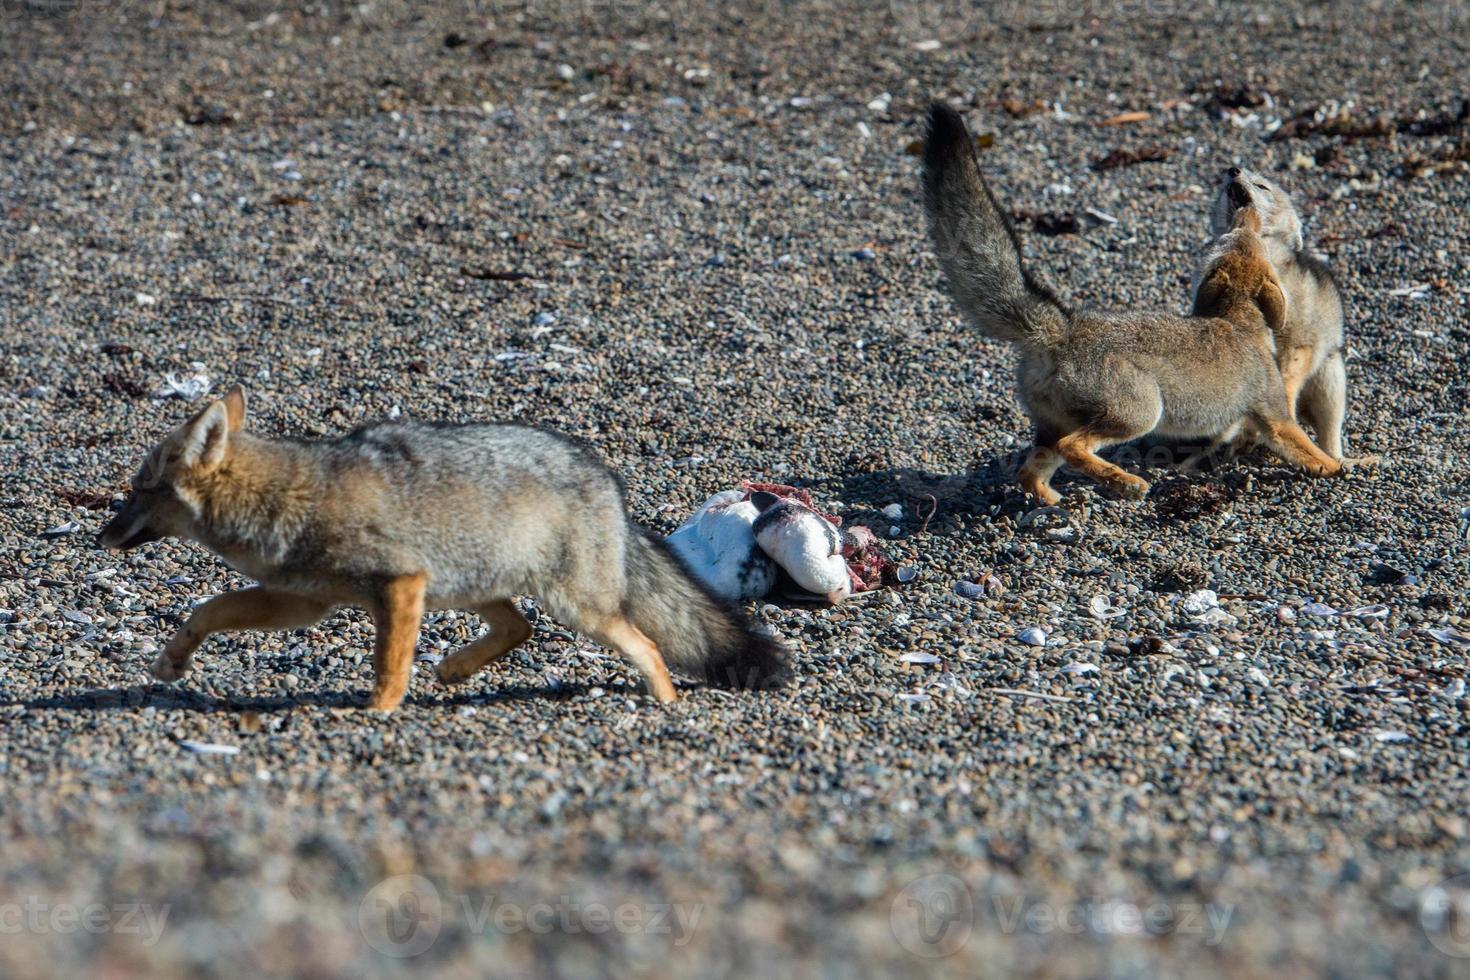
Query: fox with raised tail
(1090, 380)
(403, 517)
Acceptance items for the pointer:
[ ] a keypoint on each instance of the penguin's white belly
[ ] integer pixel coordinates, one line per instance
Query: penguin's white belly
(719, 546)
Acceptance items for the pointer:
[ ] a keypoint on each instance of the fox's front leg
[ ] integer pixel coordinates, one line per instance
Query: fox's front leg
(1295, 364)
(1289, 442)
(399, 610)
(253, 608)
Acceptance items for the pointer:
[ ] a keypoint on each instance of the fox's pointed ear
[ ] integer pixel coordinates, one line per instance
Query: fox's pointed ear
(235, 405)
(205, 437)
(1207, 297)
(1272, 302)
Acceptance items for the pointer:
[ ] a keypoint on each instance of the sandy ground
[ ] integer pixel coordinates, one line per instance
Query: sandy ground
(726, 276)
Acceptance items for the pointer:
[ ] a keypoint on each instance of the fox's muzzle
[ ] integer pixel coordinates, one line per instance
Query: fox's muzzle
(127, 530)
(1240, 195)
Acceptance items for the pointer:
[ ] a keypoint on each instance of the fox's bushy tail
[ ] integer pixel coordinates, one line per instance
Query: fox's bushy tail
(976, 244)
(695, 631)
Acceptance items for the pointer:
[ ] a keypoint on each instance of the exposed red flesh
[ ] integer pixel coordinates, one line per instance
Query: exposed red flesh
(867, 566)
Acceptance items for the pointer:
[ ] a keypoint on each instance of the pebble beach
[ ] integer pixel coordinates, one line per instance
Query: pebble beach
(1220, 732)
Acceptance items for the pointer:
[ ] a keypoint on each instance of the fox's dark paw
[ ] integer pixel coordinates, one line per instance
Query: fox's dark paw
(453, 672)
(166, 670)
(1133, 488)
(383, 704)
(1042, 491)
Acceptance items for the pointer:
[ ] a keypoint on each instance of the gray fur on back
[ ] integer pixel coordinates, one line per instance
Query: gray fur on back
(486, 510)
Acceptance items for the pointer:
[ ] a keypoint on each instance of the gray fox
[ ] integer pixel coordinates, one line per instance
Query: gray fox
(1309, 342)
(403, 517)
(1090, 380)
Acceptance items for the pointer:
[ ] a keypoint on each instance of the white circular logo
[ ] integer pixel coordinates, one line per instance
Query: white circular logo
(401, 916)
(933, 916)
(1444, 913)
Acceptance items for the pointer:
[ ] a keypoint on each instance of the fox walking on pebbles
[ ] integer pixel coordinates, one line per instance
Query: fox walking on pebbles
(1090, 380)
(404, 517)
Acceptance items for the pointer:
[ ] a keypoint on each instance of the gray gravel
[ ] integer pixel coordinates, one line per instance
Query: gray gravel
(729, 278)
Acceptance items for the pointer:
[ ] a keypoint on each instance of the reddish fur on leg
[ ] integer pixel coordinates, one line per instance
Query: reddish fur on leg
(397, 617)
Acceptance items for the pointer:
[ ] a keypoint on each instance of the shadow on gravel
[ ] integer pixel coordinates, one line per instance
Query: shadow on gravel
(164, 697)
(955, 499)
(991, 490)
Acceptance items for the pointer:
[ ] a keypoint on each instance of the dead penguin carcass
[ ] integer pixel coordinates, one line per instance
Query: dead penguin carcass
(804, 543)
(718, 543)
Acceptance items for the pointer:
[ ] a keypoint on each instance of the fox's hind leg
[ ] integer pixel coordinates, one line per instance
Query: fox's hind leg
(508, 630)
(253, 608)
(1080, 448)
(397, 614)
(620, 634)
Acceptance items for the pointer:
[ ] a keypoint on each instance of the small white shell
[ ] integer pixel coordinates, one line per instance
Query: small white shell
(208, 748)
(1032, 636)
(1199, 603)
